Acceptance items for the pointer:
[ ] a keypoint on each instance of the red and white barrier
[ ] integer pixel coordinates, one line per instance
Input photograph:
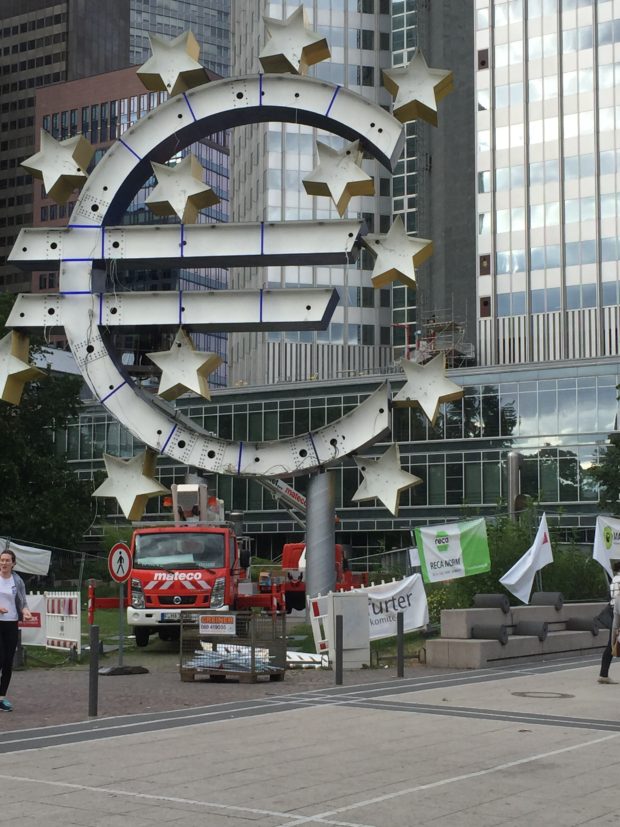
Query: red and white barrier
(62, 621)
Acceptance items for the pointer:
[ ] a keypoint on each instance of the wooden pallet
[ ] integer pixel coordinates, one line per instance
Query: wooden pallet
(221, 675)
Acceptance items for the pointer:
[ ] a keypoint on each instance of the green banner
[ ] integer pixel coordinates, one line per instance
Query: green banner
(453, 550)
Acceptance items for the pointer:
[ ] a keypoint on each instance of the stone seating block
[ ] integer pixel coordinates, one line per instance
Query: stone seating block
(458, 653)
(457, 623)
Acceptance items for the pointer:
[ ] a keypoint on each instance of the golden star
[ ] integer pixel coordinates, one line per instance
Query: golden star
(427, 386)
(293, 46)
(173, 66)
(131, 482)
(339, 176)
(184, 369)
(15, 370)
(60, 164)
(180, 190)
(397, 255)
(417, 89)
(384, 479)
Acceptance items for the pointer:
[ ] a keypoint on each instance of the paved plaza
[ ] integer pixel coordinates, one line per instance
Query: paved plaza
(536, 744)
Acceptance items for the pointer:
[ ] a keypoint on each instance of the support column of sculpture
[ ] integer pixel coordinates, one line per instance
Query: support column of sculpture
(320, 536)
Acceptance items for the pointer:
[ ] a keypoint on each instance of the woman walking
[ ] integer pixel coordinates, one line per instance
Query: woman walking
(13, 608)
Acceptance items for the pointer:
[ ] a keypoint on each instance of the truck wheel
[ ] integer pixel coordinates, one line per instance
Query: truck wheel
(142, 636)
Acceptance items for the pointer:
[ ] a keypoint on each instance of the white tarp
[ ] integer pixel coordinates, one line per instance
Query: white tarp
(29, 560)
(388, 599)
(606, 542)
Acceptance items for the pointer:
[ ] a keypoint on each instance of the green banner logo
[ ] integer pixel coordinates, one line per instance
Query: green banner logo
(608, 537)
(453, 550)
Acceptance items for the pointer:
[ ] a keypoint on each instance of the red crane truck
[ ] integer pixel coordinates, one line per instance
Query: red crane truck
(198, 563)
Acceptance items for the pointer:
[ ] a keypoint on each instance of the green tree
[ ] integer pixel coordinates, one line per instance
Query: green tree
(606, 474)
(42, 499)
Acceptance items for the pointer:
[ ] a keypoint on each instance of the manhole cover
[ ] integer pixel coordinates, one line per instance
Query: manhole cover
(542, 695)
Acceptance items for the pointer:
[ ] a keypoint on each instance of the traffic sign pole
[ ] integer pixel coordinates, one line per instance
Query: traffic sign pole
(119, 566)
(121, 622)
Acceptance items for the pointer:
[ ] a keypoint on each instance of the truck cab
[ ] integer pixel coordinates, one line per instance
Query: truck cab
(178, 569)
(190, 565)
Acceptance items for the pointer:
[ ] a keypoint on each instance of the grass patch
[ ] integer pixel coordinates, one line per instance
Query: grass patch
(384, 652)
(302, 632)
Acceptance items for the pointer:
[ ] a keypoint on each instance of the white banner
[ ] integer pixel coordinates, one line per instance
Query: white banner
(33, 631)
(606, 542)
(388, 599)
(29, 560)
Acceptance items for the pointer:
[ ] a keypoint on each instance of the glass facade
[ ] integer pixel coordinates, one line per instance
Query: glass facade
(547, 189)
(405, 181)
(557, 417)
(209, 22)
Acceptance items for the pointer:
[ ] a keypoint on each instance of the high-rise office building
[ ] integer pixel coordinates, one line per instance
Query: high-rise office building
(434, 186)
(268, 164)
(209, 22)
(76, 95)
(547, 180)
(433, 189)
(44, 42)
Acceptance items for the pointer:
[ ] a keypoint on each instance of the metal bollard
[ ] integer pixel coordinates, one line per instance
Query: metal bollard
(93, 672)
(339, 642)
(400, 645)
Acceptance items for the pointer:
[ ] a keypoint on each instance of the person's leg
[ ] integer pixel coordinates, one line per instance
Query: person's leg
(8, 645)
(605, 659)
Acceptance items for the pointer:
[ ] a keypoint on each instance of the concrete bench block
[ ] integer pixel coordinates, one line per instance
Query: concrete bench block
(541, 614)
(438, 652)
(457, 623)
(477, 654)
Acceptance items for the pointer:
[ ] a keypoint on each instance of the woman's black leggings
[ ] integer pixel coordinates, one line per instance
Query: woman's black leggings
(605, 660)
(8, 645)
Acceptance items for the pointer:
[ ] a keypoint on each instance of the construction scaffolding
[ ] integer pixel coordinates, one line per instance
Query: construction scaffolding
(440, 332)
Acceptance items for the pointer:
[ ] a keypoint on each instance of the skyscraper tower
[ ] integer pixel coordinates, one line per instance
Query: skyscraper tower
(547, 187)
(434, 185)
(268, 164)
(44, 42)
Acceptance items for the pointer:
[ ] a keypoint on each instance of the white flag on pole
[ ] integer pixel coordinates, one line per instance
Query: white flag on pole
(520, 578)
(606, 542)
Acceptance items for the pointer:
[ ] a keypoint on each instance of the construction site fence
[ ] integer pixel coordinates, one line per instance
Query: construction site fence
(72, 570)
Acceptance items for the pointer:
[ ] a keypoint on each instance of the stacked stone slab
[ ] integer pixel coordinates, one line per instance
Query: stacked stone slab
(458, 650)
